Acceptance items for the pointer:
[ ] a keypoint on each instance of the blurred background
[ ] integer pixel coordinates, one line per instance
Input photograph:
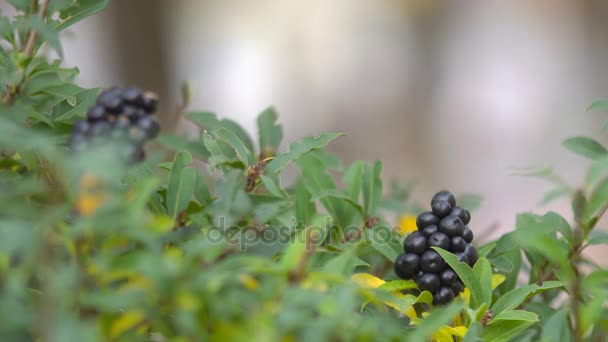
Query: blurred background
(451, 94)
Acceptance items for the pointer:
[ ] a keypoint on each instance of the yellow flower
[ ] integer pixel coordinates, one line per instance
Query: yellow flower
(407, 224)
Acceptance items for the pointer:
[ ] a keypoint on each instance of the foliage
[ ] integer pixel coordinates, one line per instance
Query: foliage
(208, 243)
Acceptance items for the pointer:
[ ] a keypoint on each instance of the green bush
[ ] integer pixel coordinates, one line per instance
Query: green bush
(208, 244)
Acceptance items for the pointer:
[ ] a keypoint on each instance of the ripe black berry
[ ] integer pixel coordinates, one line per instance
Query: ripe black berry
(80, 127)
(457, 287)
(111, 100)
(431, 261)
(133, 96)
(467, 234)
(444, 196)
(428, 282)
(429, 230)
(149, 102)
(440, 240)
(149, 126)
(426, 219)
(406, 265)
(443, 296)
(448, 277)
(96, 113)
(458, 244)
(441, 208)
(451, 225)
(471, 253)
(415, 243)
(463, 214)
(99, 128)
(462, 257)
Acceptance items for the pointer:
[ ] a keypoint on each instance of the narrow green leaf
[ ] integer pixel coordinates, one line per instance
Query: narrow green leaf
(554, 194)
(232, 140)
(178, 143)
(597, 202)
(385, 241)
(353, 178)
(515, 315)
(209, 121)
(398, 285)
(298, 149)
(474, 333)
(270, 134)
(372, 188)
(515, 297)
(220, 157)
(598, 105)
(556, 327)
(85, 99)
(466, 274)
(470, 202)
(181, 184)
(304, 206)
(483, 271)
(598, 237)
(504, 331)
(80, 10)
(272, 185)
(338, 194)
(435, 321)
(201, 190)
(586, 147)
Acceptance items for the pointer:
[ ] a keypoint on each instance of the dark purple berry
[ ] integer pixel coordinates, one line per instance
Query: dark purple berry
(418, 275)
(99, 128)
(463, 214)
(471, 252)
(406, 265)
(133, 96)
(448, 277)
(426, 219)
(428, 282)
(149, 125)
(415, 243)
(429, 230)
(457, 287)
(149, 102)
(467, 234)
(443, 296)
(462, 257)
(441, 208)
(431, 261)
(96, 113)
(458, 244)
(445, 196)
(111, 100)
(80, 127)
(132, 113)
(440, 240)
(451, 225)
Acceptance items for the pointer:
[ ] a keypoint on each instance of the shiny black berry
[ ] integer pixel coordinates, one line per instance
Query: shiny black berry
(149, 125)
(440, 240)
(462, 257)
(96, 113)
(133, 96)
(451, 225)
(462, 213)
(471, 253)
(80, 127)
(467, 234)
(418, 275)
(426, 219)
(406, 265)
(99, 128)
(441, 208)
(429, 230)
(111, 100)
(431, 261)
(458, 244)
(444, 196)
(457, 287)
(415, 243)
(149, 102)
(448, 277)
(443, 296)
(428, 282)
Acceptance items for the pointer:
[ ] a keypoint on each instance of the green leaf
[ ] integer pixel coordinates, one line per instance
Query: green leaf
(469, 201)
(201, 190)
(47, 34)
(85, 100)
(298, 149)
(598, 105)
(304, 206)
(232, 140)
(181, 184)
(556, 327)
(515, 297)
(597, 237)
(466, 274)
(597, 202)
(80, 10)
(385, 241)
(344, 263)
(338, 194)
(178, 143)
(272, 185)
(209, 121)
(515, 315)
(530, 227)
(220, 157)
(504, 331)
(398, 285)
(372, 188)
(353, 178)
(474, 333)
(435, 321)
(483, 271)
(586, 147)
(554, 194)
(270, 133)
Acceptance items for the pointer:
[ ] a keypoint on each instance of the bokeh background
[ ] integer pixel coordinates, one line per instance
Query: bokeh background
(451, 94)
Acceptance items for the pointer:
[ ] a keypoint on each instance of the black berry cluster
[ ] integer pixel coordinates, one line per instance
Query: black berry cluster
(120, 114)
(446, 226)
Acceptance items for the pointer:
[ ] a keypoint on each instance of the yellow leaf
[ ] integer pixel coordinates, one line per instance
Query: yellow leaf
(125, 322)
(249, 282)
(442, 336)
(458, 331)
(466, 295)
(407, 224)
(367, 280)
(497, 279)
